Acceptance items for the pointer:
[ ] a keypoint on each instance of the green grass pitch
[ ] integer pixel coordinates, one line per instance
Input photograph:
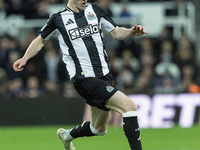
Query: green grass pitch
(44, 138)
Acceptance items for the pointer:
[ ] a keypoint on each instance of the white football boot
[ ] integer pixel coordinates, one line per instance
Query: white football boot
(66, 139)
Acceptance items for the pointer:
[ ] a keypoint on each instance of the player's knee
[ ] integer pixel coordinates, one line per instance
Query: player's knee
(134, 107)
(131, 106)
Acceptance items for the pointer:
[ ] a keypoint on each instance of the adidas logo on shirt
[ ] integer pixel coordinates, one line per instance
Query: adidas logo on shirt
(69, 22)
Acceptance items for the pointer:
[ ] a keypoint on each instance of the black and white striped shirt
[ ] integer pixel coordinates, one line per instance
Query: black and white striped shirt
(81, 39)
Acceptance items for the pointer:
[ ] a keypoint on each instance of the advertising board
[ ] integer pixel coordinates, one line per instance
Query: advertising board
(167, 110)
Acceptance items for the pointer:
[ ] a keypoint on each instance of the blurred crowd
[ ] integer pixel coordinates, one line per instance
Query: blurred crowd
(140, 65)
(37, 9)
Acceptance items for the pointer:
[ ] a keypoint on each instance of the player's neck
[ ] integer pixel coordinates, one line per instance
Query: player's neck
(74, 7)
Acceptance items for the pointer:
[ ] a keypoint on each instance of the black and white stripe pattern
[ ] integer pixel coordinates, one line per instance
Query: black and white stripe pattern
(81, 40)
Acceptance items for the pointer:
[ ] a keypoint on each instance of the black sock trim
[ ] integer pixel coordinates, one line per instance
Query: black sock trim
(82, 130)
(132, 132)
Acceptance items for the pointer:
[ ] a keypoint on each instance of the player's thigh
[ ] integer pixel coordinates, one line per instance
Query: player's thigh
(121, 103)
(99, 118)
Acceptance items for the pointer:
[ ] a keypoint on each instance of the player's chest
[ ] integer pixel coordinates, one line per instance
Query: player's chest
(80, 25)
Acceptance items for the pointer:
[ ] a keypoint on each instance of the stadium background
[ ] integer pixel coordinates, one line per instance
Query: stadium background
(160, 71)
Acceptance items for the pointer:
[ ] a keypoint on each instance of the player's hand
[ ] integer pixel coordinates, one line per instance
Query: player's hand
(138, 30)
(18, 65)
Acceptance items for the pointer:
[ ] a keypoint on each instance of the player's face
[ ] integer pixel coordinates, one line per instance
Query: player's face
(78, 5)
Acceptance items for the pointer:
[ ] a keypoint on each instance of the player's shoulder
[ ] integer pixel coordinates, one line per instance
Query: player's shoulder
(56, 14)
(65, 9)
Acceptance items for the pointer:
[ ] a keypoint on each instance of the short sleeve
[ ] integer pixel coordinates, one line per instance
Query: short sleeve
(106, 22)
(49, 28)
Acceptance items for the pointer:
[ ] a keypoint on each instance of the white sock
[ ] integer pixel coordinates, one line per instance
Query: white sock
(129, 114)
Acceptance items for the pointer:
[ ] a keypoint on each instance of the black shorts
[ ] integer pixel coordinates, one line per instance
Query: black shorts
(95, 90)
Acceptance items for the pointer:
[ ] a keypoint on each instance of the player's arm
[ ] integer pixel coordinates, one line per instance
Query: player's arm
(121, 33)
(35, 46)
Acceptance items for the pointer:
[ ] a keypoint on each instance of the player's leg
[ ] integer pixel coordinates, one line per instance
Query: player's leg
(97, 127)
(96, 91)
(99, 120)
(124, 105)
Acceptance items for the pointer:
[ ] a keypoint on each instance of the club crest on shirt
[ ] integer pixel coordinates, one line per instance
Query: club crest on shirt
(91, 16)
(109, 88)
